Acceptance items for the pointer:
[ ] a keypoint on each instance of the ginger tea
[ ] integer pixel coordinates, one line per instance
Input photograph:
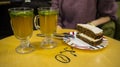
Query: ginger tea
(21, 22)
(48, 21)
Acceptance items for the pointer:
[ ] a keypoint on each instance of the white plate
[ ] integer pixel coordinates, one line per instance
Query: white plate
(77, 43)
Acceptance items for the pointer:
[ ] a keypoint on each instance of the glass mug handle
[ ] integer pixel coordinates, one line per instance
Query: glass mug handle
(36, 22)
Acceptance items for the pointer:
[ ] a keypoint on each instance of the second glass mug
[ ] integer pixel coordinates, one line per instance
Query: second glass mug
(48, 24)
(22, 26)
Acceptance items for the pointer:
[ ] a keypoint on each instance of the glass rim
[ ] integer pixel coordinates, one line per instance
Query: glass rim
(51, 8)
(20, 8)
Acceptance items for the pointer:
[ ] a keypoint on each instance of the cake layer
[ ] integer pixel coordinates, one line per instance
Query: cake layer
(89, 40)
(90, 30)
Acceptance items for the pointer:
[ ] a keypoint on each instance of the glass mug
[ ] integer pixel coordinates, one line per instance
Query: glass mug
(48, 24)
(22, 26)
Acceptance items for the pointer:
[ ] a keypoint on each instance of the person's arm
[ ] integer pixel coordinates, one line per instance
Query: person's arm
(106, 12)
(100, 21)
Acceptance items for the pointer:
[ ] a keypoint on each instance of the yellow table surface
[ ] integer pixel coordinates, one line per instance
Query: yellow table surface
(107, 57)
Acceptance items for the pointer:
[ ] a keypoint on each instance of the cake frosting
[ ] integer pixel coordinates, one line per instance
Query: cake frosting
(96, 30)
(89, 38)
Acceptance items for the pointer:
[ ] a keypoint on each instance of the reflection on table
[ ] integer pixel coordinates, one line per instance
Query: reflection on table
(61, 56)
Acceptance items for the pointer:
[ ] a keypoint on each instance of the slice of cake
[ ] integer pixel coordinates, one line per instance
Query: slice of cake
(90, 34)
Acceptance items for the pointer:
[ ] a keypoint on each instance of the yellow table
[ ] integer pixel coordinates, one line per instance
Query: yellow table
(107, 57)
